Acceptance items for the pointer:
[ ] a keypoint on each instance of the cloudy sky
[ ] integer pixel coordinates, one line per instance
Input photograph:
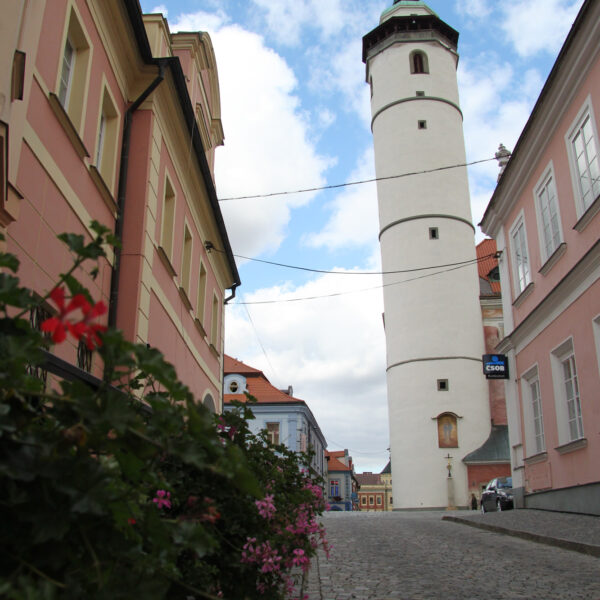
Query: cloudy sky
(296, 115)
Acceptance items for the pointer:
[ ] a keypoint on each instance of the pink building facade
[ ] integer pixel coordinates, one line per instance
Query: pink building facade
(105, 115)
(544, 218)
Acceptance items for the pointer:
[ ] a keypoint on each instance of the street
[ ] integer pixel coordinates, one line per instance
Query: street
(418, 556)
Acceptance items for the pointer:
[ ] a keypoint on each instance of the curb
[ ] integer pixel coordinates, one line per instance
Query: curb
(589, 549)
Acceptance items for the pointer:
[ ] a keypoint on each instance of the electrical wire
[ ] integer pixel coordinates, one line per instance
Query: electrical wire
(259, 340)
(325, 271)
(335, 294)
(349, 183)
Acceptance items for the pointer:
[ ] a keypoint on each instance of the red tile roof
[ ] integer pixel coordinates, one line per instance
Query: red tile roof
(485, 248)
(368, 478)
(333, 464)
(257, 385)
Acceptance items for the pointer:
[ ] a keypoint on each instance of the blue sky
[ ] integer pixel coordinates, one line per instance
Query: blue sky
(295, 110)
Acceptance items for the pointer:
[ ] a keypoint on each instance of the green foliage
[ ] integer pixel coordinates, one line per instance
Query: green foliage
(133, 489)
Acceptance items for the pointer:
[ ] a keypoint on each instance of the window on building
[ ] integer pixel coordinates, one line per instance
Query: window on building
(363, 500)
(168, 220)
(214, 324)
(201, 301)
(422, 124)
(532, 413)
(273, 432)
(572, 397)
(419, 63)
(596, 327)
(84, 356)
(233, 387)
(106, 145)
(548, 215)
(585, 163)
(378, 500)
(73, 72)
(442, 385)
(186, 260)
(371, 501)
(567, 393)
(522, 271)
(334, 488)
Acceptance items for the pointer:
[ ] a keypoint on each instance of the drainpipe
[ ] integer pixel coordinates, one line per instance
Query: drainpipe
(123, 168)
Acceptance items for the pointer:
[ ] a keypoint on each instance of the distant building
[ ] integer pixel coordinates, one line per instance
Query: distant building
(544, 216)
(106, 115)
(288, 420)
(342, 485)
(492, 459)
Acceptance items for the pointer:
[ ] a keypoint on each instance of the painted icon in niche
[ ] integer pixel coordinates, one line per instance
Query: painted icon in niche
(447, 431)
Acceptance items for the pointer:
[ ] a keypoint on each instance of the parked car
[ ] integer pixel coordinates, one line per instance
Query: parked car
(497, 495)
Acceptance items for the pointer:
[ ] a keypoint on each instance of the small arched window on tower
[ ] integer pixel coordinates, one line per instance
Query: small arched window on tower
(447, 430)
(418, 62)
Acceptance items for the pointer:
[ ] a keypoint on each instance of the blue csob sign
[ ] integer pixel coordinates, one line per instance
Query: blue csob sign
(495, 366)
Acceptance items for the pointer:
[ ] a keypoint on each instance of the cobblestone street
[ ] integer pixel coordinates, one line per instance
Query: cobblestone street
(419, 556)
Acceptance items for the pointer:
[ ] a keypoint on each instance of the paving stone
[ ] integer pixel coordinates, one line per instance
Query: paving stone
(420, 556)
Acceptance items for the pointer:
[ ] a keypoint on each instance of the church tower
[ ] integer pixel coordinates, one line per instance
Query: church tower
(437, 394)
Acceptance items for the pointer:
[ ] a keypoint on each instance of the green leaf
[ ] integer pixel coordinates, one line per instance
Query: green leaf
(9, 261)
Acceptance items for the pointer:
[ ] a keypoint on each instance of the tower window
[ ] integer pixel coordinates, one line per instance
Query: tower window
(422, 124)
(442, 385)
(434, 234)
(419, 63)
(420, 93)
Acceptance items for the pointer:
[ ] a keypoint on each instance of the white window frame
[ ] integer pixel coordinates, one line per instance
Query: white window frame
(546, 201)
(569, 414)
(519, 283)
(596, 329)
(66, 73)
(532, 402)
(586, 112)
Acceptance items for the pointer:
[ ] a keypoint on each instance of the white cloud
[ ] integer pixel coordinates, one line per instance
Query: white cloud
(488, 122)
(161, 8)
(331, 350)
(267, 136)
(354, 218)
(474, 9)
(534, 26)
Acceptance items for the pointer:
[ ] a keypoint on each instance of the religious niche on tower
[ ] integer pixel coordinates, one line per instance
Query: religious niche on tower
(447, 431)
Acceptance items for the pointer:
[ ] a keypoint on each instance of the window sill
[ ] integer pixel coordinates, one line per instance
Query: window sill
(524, 294)
(536, 458)
(588, 215)
(184, 298)
(67, 125)
(572, 446)
(166, 261)
(214, 351)
(103, 189)
(200, 327)
(553, 259)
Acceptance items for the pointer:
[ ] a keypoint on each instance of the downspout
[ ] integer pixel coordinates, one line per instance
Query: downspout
(123, 168)
(232, 288)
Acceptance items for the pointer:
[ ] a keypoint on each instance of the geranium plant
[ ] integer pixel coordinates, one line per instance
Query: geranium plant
(131, 488)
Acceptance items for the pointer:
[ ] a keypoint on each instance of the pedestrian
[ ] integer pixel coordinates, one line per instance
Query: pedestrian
(473, 502)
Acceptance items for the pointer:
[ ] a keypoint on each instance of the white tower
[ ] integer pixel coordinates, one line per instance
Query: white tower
(437, 394)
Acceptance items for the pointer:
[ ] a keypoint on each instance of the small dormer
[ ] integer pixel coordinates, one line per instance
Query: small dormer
(234, 384)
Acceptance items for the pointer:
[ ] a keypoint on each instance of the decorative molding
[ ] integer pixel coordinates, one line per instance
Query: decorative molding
(412, 99)
(588, 215)
(524, 294)
(66, 123)
(553, 259)
(184, 298)
(214, 351)
(166, 261)
(103, 189)
(428, 216)
(536, 458)
(572, 446)
(200, 327)
(433, 358)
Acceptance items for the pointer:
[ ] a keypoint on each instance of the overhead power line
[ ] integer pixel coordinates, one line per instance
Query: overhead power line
(284, 300)
(329, 272)
(349, 183)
